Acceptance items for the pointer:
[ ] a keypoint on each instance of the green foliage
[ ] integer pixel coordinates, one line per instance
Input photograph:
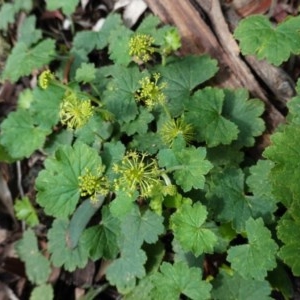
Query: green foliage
(103, 238)
(37, 266)
(182, 76)
(26, 212)
(177, 279)
(28, 34)
(43, 291)
(8, 11)
(58, 185)
(62, 253)
(68, 7)
(260, 251)
(191, 231)
(231, 285)
(288, 233)
(86, 73)
(285, 153)
(189, 165)
(259, 37)
(24, 59)
(20, 126)
(146, 167)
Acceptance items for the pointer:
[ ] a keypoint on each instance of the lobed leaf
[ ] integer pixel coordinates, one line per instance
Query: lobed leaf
(182, 76)
(23, 59)
(188, 224)
(204, 113)
(260, 251)
(259, 37)
(174, 280)
(58, 185)
(37, 266)
(62, 254)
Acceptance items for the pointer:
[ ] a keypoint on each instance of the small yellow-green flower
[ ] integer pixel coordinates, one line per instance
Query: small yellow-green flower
(75, 112)
(151, 93)
(175, 127)
(45, 78)
(93, 184)
(136, 173)
(140, 47)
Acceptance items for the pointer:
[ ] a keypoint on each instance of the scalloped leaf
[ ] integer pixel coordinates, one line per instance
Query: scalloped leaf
(228, 286)
(26, 212)
(23, 59)
(205, 113)
(62, 254)
(174, 280)
(188, 224)
(183, 76)
(20, 136)
(255, 259)
(58, 186)
(259, 37)
(37, 266)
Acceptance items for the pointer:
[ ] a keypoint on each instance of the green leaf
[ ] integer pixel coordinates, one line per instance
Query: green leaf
(233, 286)
(37, 266)
(189, 164)
(86, 73)
(204, 112)
(230, 203)
(260, 185)
(223, 155)
(68, 7)
(245, 114)
(119, 98)
(62, 254)
(58, 186)
(45, 106)
(124, 270)
(188, 224)
(23, 60)
(103, 238)
(7, 15)
(85, 41)
(26, 212)
(112, 153)
(177, 279)
(183, 76)
(95, 131)
(142, 291)
(285, 153)
(119, 46)
(25, 5)
(255, 259)
(20, 136)
(122, 204)
(44, 292)
(138, 227)
(140, 124)
(288, 232)
(149, 142)
(28, 34)
(259, 37)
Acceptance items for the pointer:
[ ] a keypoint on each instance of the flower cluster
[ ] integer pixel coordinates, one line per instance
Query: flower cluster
(140, 47)
(175, 127)
(92, 185)
(151, 92)
(45, 78)
(135, 173)
(75, 112)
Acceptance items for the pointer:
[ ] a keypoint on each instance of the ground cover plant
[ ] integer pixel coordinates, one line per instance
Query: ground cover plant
(146, 169)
